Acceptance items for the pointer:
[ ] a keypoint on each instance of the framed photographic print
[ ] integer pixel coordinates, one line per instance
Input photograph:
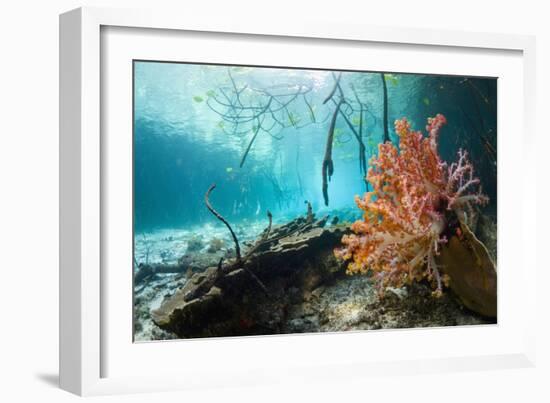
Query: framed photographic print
(269, 250)
(257, 194)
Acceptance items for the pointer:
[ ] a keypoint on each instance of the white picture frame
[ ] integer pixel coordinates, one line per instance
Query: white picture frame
(84, 340)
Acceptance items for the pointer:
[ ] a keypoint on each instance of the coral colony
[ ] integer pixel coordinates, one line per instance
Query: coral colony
(407, 213)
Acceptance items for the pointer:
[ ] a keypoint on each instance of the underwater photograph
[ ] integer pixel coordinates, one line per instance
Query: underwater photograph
(270, 200)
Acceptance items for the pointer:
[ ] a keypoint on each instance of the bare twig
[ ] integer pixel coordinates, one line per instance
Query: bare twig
(242, 108)
(333, 91)
(258, 127)
(219, 217)
(240, 261)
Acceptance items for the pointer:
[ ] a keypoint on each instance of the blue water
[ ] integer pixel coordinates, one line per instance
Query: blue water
(181, 146)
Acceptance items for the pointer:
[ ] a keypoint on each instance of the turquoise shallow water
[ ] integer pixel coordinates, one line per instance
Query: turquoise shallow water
(284, 141)
(194, 123)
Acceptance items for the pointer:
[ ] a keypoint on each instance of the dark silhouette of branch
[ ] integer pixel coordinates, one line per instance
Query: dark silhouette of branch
(265, 109)
(362, 148)
(385, 90)
(263, 239)
(328, 165)
(486, 99)
(239, 263)
(299, 177)
(358, 137)
(489, 148)
(345, 108)
(336, 86)
(310, 108)
(258, 127)
(219, 217)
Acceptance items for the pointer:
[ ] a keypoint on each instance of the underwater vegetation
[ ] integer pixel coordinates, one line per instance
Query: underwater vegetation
(406, 215)
(273, 201)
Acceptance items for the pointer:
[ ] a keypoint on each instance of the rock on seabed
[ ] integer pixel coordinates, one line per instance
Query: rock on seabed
(307, 292)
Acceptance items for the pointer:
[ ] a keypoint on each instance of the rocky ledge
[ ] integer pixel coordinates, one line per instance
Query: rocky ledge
(252, 296)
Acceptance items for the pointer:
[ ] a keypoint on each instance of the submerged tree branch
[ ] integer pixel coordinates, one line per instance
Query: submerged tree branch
(243, 159)
(362, 149)
(386, 128)
(328, 165)
(219, 217)
(240, 262)
(244, 109)
(489, 148)
(296, 164)
(336, 86)
(359, 138)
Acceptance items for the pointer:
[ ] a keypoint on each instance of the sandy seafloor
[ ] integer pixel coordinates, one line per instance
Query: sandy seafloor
(350, 303)
(167, 246)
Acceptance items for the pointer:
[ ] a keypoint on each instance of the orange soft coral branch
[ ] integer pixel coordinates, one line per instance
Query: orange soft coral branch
(404, 216)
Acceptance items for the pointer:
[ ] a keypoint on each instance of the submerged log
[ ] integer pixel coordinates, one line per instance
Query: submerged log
(146, 271)
(294, 258)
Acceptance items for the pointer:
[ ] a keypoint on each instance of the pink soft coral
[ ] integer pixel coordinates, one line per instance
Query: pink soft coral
(404, 217)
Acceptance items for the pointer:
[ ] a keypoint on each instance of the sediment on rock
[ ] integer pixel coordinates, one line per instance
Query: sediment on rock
(294, 259)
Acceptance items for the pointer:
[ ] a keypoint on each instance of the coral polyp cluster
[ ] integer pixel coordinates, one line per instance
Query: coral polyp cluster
(407, 213)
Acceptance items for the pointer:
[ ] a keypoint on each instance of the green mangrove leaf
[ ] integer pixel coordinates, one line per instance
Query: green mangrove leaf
(196, 98)
(211, 93)
(221, 124)
(229, 169)
(426, 101)
(293, 119)
(356, 120)
(392, 79)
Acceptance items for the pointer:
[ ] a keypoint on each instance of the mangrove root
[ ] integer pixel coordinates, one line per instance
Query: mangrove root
(240, 260)
(219, 217)
(243, 159)
(385, 90)
(328, 165)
